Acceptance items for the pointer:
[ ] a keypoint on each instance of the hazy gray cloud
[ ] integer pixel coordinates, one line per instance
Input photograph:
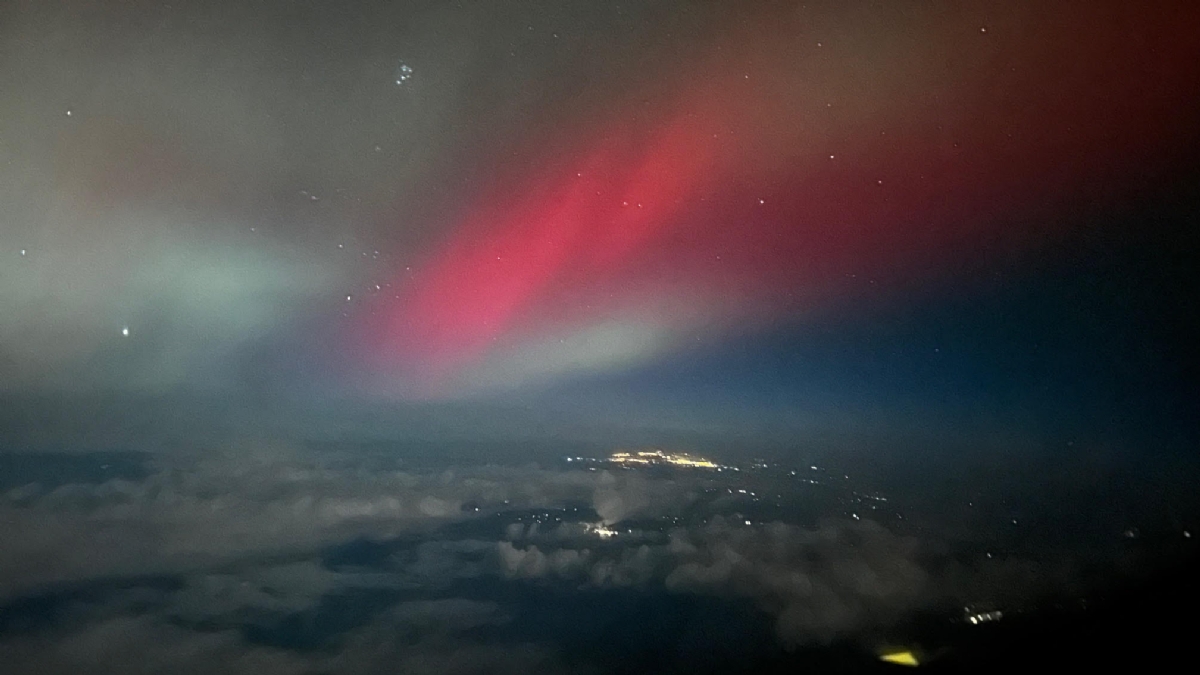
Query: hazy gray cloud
(532, 563)
(284, 588)
(412, 637)
(616, 499)
(838, 578)
(245, 501)
(244, 529)
(142, 645)
(626, 494)
(426, 637)
(842, 577)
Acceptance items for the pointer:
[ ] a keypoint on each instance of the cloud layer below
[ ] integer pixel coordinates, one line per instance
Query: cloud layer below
(279, 560)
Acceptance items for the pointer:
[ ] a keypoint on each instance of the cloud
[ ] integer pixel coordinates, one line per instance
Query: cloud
(241, 501)
(412, 637)
(248, 506)
(616, 499)
(625, 494)
(532, 563)
(143, 645)
(437, 647)
(250, 538)
(839, 578)
(287, 588)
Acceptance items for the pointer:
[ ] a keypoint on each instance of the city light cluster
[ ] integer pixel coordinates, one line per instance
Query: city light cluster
(651, 457)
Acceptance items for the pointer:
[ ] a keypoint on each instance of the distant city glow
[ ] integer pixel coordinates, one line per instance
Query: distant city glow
(651, 457)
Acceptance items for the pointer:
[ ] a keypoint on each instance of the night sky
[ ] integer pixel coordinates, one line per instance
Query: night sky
(723, 216)
(884, 235)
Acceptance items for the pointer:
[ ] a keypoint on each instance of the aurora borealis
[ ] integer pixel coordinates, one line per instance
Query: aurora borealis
(761, 180)
(576, 336)
(599, 208)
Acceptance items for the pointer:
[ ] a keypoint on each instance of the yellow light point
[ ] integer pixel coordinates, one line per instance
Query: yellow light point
(900, 658)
